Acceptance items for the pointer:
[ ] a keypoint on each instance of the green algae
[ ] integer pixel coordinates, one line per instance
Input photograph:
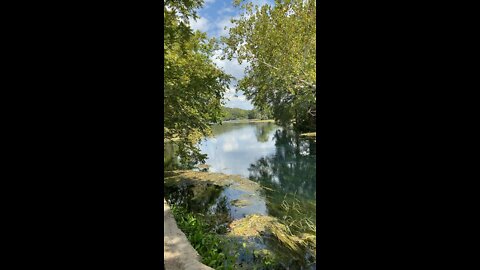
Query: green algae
(258, 226)
(220, 179)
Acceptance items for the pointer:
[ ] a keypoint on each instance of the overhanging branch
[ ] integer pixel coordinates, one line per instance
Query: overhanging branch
(313, 86)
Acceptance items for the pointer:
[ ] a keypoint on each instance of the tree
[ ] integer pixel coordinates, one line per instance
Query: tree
(279, 45)
(234, 113)
(252, 114)
(193, 85)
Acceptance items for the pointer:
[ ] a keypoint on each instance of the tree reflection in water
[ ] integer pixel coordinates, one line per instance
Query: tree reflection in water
(263, 130)
(289, 174)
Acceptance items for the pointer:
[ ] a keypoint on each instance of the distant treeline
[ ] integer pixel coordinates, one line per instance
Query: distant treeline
(237, 114)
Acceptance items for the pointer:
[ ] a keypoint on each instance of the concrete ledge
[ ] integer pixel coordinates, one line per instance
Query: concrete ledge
(178, 252)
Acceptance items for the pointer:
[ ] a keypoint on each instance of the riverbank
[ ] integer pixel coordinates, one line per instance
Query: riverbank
(250, 121)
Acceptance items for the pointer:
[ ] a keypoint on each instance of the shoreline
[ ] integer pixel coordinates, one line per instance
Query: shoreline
(249, 121)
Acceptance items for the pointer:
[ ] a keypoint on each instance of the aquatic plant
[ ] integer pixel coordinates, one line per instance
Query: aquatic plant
(295, 218)
(207, 244)
(221, 251)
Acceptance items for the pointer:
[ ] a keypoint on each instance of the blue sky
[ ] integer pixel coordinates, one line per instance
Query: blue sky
(214, 16)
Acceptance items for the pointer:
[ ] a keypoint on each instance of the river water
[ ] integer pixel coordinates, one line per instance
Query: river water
(277, 158)
(268, 154)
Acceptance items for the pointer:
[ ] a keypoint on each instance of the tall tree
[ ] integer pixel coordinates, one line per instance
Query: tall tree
(193, 85)
(278, 42)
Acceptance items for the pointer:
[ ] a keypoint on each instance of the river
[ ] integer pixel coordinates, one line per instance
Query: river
(265, 153)
(277, 158)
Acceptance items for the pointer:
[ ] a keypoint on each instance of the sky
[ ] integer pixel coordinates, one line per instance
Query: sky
(214, 16)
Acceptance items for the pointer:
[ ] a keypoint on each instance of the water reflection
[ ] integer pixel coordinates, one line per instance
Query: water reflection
(291, 169)
(236, 145)
(255, 203)
(276, 158)
(290, 177)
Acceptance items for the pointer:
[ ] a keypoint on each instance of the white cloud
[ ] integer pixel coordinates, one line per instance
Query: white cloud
(200, 24)
(230, 67)
(246, 105)
(224, 24)
(234, 99)
(230, 93)
(218, 19)
(226, 10)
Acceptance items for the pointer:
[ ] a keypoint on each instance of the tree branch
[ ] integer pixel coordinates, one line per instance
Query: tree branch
(313, 86)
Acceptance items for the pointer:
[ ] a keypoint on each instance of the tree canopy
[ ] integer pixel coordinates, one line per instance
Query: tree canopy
(278, 42)
(193, 85)
(234, 113)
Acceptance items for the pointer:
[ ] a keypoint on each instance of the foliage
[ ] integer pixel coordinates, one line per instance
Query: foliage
(259, 114)
(193, 85)
(238, 114)
(207, 244)
(234, 113)
(279, 45)
(216, 251)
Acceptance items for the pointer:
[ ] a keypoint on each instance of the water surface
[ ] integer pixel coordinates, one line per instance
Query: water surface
(275, 157)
